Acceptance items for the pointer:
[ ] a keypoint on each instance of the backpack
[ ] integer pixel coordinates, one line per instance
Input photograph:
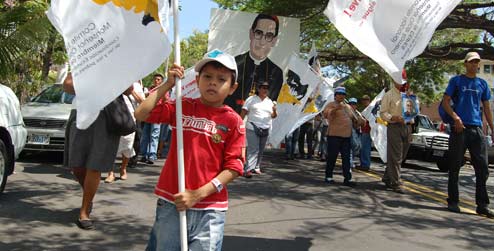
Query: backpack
(442, 113)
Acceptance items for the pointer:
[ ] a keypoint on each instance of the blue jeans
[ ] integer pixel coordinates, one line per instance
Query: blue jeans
(323, 146)
(338, 145)
(204, 229)
(472, 138)
(365, 150)
(149, 140)
(291, 142)
(165, 136)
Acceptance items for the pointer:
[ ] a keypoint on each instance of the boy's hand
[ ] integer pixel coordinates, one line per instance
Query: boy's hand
(175, 71)
(187, 199)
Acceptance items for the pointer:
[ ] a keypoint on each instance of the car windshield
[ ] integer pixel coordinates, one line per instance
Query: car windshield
(54, 94)
(424, 122)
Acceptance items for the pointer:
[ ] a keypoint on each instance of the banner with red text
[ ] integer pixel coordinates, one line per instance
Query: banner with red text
(110, 45)
(389, 31)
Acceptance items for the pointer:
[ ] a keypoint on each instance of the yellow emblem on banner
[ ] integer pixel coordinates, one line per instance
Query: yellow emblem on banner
(150, 7)
(285, 97)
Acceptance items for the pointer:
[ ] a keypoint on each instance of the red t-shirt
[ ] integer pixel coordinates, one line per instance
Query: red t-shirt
(214, 139)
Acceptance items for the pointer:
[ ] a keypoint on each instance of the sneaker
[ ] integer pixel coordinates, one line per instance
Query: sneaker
(150, 162)
(256, 171)
(485, 211)
(453, 207)
(349, 183)
(143, 159)
(329, 180)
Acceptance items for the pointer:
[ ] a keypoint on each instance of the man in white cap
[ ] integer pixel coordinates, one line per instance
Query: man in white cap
(468, 93)
(398, 134)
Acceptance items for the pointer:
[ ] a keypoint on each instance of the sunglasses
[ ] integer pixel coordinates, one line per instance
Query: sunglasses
(264, 87)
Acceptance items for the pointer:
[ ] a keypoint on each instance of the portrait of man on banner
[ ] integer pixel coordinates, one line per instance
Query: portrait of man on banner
(258, 61)
(410, 107)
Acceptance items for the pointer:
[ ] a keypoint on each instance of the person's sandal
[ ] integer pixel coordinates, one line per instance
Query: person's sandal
(85, 224)
(110, 179)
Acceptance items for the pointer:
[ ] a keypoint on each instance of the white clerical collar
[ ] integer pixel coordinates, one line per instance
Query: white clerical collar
(256, 62)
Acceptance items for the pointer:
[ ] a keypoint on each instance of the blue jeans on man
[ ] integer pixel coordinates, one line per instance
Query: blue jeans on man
(338, 145)
(149, 141)
(365, 151)
(204, 228)
(472, 138)
(291, 143)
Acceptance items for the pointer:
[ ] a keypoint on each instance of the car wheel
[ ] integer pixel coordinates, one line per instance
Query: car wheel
(3, 166)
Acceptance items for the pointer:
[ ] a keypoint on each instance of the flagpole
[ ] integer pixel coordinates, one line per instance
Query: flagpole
(179, 130)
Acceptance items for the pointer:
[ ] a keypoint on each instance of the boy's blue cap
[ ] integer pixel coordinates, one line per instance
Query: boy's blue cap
(352, 100)
(340, 90)
(219, 56)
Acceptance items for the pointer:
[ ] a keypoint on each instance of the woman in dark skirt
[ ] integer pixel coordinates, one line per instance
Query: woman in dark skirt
(88, 153)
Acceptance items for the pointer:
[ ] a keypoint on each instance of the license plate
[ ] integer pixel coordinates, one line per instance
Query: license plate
(438, 153)
(38, 139)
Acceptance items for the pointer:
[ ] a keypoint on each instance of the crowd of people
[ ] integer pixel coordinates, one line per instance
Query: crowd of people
(233, 148)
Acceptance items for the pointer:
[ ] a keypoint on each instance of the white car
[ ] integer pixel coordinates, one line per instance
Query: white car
(12, 133)
(46, 118)
(428, 143)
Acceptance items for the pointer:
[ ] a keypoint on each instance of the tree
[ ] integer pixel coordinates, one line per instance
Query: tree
(469, 27)
(191, 50)
(28, 45)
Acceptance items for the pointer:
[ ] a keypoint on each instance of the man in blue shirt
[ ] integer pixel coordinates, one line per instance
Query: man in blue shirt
(468, 93)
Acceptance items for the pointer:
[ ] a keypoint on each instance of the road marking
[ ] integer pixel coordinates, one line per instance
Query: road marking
(426, 192)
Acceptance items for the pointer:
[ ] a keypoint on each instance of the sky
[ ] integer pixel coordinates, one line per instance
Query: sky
(194, 16)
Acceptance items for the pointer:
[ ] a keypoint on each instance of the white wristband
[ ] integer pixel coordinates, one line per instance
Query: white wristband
(217, 184)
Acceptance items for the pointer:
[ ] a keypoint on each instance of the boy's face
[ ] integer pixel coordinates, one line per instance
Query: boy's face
(215, 84)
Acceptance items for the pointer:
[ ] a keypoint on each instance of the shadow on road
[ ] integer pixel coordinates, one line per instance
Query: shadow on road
(245, 243)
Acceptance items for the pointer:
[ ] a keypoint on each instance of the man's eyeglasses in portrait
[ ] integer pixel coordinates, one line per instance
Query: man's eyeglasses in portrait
(258, 34)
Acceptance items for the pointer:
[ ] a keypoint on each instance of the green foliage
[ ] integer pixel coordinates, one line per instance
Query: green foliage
(191, 50)
(24, 36)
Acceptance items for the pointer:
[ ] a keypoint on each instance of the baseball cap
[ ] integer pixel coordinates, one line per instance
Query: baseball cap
(340, 90)
(471, 56)
(352, 100)
(219, 56)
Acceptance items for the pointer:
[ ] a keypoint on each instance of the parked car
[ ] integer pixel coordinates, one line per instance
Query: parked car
(428, 143)
(46, 118)
(12, 133)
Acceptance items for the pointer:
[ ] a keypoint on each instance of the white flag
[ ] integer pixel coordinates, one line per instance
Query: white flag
(389, 31)
(110, 45)
(189, 85)
(378, 126)
(292, 101)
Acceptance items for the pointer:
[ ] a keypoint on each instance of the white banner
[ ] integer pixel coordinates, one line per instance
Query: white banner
(189, 85)
(295, 91)
(389, 31)
(110, 45)
(378, 126)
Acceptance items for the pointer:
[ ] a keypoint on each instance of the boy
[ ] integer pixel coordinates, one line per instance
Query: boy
(215, 135)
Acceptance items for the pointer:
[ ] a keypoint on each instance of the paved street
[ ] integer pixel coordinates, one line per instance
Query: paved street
(288, 207)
